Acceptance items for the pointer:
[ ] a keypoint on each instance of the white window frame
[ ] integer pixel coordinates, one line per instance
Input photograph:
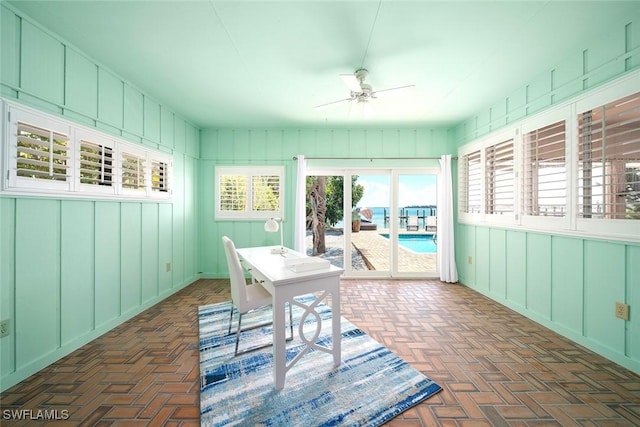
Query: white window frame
(570, 224)
(497, 139)
(249, 172)
(167, 181)
(102, 140)
(11, 184)
(29, 185)
(599, 226)
(464, 210)
(540, 121)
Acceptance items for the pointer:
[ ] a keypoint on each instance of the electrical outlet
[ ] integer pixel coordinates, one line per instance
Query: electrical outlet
(4, 328)
(622, 311)
(168, 267)
(469, 259)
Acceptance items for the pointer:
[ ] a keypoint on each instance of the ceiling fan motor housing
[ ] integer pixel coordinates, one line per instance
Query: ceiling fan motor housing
(361, 74)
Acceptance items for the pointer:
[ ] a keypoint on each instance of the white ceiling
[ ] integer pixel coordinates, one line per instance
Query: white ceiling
(265, 64)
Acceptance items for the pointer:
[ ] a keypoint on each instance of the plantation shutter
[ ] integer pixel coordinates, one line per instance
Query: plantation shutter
(42, 154)
(133, 171)
(470, 194)
(544, 186)
(96, 164)
(609, 160)
(499, 176)
(265, 191)
(233, 192)
(159, 176)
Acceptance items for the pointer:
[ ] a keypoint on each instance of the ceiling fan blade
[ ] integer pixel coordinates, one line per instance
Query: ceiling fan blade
(351, 82)
(330, 104)
(401, 90)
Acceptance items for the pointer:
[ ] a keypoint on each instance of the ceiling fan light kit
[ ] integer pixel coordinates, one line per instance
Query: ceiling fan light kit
(361, 92)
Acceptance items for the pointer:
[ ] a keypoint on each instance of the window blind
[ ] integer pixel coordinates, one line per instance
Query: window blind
(544, 184)
(159, 176)
(470, 194)
(609, 160)
(499, 176)
(233, 192)
(133, 172)
(42, 153)
(96, 164)
(265, 192)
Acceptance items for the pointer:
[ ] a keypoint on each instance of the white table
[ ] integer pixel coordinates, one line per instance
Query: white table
(284, 284)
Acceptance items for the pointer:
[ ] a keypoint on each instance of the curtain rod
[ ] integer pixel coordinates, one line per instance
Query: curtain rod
(373, 158)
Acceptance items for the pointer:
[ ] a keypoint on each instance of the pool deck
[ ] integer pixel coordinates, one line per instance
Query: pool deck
(375, 251)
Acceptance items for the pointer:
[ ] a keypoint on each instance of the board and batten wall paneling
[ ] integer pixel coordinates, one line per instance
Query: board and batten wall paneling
(567, 283)
(516, 265)
(567, 297)
(498, 266)
(77, 260)
(11, 28)
(633, 299)
(539, 274)
(99, 262)
(604, 284)
(47, 82)
(278, 147)
(482, 259)
(81, 84)
(110, 99)
(7, 283)
(108, 262)
(600, 59)
(150, 264)
(37, 284)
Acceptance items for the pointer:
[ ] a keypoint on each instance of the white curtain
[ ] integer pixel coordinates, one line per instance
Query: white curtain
(300, 219)
(447, 260)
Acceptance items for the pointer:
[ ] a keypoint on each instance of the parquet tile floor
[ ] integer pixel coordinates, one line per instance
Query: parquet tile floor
(496, 367)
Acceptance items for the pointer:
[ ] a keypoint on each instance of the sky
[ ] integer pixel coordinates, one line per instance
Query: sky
(414, 190)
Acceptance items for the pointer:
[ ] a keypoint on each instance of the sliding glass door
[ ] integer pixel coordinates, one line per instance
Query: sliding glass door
(416, 240)
(325, 218)
(378, 222)
(370, 205)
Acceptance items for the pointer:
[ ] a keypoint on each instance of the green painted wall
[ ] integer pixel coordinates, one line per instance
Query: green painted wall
(70, 270)
(277, 147)
(569, 284)
(105, 260)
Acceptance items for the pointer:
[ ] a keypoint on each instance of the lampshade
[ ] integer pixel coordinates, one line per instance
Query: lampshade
(271, 226)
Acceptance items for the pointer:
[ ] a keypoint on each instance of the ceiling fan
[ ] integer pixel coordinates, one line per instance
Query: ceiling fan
(363, 93)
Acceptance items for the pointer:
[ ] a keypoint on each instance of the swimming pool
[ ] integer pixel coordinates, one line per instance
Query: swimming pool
(420, 243)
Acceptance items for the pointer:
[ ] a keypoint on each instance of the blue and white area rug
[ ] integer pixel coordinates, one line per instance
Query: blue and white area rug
(371, 386)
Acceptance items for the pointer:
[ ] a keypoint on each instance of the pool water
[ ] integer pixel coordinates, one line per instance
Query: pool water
(420, 243)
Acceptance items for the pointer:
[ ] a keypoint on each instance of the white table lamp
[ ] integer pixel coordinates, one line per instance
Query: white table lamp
(272, 226)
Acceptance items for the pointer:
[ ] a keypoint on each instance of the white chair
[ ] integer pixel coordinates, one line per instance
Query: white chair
(412, 223)
(432, 223)
(246, 298)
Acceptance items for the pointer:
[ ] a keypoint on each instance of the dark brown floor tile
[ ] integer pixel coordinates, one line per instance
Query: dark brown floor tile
(496, 367)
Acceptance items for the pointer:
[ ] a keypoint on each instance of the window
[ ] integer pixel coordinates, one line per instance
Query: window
(96, 164)
(249, 192)
(609, 160)
(470, 189)
(574, 169)
(159, 176)
(54, 157)
(133, 171)
(42, 153)
(544, 184)
(499, 175)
